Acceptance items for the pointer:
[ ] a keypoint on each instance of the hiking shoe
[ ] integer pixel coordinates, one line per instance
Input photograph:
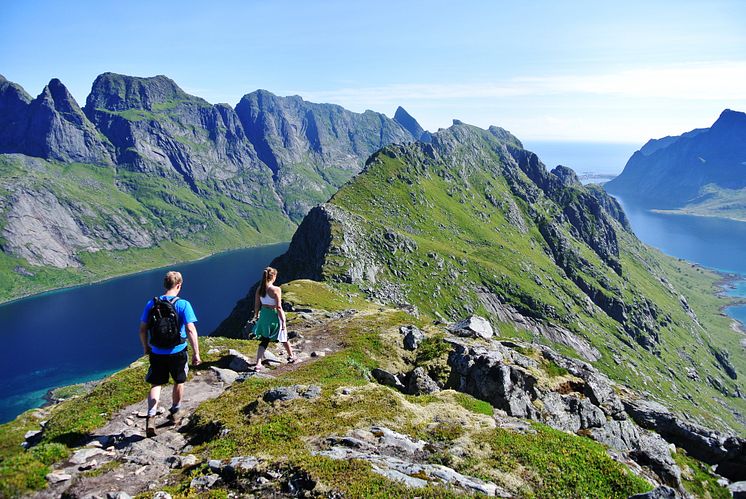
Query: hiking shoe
(150, 426)
(174, 416)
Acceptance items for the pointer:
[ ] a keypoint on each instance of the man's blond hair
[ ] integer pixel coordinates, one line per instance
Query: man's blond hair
(171, 279)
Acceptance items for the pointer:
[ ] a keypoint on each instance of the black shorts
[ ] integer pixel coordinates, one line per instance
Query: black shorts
(161, 366)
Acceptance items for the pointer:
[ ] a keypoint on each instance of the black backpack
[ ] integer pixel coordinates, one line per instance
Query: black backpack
(163, 323)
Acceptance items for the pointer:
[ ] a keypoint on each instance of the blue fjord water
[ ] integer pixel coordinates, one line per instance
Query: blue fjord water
(87, 332)
(717, 243)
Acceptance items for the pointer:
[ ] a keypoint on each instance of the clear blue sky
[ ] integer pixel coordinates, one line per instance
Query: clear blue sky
(561, 70)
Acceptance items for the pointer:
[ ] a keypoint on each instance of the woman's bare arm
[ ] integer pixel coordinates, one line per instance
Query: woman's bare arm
(257, 304)
(280, 311)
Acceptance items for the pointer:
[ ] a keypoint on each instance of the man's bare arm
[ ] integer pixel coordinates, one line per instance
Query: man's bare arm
(191, 331)
(144, 338)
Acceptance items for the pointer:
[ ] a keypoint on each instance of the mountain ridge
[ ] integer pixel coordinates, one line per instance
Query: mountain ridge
(147, 142)
(701, 171)
(542, 256)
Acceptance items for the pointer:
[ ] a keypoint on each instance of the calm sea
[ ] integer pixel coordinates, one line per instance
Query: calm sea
(586, 158)
(84, 333)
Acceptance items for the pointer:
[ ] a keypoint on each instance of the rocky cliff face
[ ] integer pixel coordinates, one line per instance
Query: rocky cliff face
(173, 164)
(312, 149)
(674, 171)
(52, 126)
(474, 223)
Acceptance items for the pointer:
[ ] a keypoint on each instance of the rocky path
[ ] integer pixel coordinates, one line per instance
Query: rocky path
(119, 461)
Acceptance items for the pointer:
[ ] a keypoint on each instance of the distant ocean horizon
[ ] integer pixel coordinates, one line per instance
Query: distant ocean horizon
(591, 160)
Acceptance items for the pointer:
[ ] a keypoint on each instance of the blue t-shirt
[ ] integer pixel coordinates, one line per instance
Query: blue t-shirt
(186, 316)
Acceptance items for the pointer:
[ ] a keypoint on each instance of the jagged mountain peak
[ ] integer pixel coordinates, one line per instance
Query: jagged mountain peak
(117, 92)
(410, 124)
(13, 97)
(56, 95)
(729, 118)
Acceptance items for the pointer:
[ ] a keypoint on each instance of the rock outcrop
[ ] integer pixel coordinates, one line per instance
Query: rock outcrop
(727, 452)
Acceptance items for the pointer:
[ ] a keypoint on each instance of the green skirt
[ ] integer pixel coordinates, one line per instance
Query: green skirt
(268, 324)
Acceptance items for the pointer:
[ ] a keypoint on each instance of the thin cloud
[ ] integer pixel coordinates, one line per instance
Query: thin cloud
(695, 81)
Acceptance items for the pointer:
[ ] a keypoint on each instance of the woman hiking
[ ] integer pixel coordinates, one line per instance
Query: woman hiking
(269, 316)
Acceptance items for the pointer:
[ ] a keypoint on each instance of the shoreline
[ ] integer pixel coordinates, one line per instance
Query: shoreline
(726, 283)
(119, 276)
(679, 212)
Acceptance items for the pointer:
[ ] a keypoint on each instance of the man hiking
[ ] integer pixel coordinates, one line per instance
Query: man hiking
(165, 326)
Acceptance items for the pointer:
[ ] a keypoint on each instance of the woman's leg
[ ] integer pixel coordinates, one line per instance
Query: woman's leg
(288, 349)
(260, 352)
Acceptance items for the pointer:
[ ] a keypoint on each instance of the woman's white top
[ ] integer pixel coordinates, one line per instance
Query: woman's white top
(268, 300)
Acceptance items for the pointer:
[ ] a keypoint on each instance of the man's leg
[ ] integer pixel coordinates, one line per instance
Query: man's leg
(153, 396)
(179, 371)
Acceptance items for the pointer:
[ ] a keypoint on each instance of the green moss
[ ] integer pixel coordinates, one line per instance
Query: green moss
(697, 478)
(432, 347)
(304, 293)
(26, 470)
(474, 405)
(552, 369)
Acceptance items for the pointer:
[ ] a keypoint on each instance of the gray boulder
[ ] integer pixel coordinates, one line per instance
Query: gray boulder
(474, 327)
(204, 483)
(285, 393)
(419, 383)
(571, 413)
(236, 361)
(227, 376)
(738, 489)
(483, 374)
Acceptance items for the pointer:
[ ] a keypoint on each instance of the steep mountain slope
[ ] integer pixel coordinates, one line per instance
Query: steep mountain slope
(146, 174)
(703, 170)
(473, 223)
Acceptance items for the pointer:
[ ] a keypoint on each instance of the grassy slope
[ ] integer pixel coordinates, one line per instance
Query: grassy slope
(548, 463)
(153, 203)
(451, 221)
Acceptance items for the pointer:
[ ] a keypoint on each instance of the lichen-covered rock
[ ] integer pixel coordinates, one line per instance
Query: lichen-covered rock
(403, 459)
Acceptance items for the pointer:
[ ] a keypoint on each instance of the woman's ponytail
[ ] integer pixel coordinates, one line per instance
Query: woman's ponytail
(268, 274)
